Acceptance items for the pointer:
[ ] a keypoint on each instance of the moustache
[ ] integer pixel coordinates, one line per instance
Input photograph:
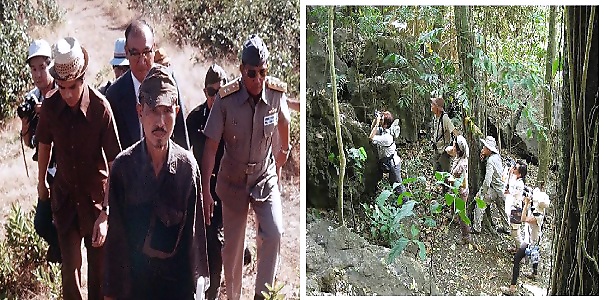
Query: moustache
(159, 129)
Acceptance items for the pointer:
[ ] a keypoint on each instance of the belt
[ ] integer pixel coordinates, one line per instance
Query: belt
(247, 168)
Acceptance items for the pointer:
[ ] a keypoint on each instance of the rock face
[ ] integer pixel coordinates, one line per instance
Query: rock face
(340, 262)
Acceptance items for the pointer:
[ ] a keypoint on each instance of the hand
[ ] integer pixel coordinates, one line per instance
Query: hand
(43, 191)
(24, 126)
(99, 231)
(281, 158)
(527, 200)
(38, 108)
(208, 206)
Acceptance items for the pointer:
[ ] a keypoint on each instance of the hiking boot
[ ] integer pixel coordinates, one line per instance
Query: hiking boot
(508, 291)
(247, 257)
(53, 254)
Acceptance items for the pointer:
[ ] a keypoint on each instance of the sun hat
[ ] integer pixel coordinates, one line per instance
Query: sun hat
(39, 48)
(71, 60)
(119, 53)
(490, 143)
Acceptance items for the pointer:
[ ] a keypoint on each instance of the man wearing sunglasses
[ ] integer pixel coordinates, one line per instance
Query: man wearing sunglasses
(246, 114)
(123, 94)
(196, 121)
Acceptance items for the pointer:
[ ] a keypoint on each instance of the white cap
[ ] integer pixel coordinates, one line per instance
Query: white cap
(39, 48)
(119, 53)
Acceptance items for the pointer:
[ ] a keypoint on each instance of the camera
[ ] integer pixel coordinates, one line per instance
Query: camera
(527, 192)
(26, 110)
(377, 114)
(509, 162)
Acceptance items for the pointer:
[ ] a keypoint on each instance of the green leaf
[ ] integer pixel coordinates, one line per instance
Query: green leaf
(449, 198)
(407, 208)
(430, 222)
(397, 249)
(422, 249)
(480, 203)
(381, 199)
(460, 205)
(555, 65)
(409, 180)
(414, 231)
(435, 207)
(363, 154)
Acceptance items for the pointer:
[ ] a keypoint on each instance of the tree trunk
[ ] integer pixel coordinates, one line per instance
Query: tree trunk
(336, 113)
(575, 268)
(545, 143)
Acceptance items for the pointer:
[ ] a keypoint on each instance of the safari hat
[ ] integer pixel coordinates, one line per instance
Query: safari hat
(119, 53)
(71, 60)
(39, 48)
(490, 143)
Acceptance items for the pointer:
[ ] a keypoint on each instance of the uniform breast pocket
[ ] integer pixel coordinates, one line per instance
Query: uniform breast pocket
(270, 122)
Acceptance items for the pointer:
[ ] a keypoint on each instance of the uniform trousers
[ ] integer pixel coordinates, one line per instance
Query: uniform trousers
(268, 240)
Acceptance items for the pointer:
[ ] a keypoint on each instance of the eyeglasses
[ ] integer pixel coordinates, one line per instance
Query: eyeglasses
(211, 91)
(252, 73)
(137, 55)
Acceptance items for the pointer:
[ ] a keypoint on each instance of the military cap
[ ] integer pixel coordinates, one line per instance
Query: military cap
(215, 74)
(158, 88)
(254, 51)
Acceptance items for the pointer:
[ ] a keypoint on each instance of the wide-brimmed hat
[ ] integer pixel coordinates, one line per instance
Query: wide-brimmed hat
(119, 53)
(71, 60)
(490, 143)
(439, 102)
(39, 48)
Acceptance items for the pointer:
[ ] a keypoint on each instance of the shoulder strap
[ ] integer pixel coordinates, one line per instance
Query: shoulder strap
(274, 83)
(229, 88)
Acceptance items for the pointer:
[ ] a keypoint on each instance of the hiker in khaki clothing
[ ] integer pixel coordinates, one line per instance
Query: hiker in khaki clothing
(246, 114)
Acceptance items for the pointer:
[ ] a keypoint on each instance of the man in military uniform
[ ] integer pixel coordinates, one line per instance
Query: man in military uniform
(156, 244)
(443, 127)
(491, 190)
(77, 120)
(39, 60)
(245, 115)
(196, 121)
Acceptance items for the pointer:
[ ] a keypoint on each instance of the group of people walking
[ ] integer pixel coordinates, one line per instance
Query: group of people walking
(160, 199)
(501, 187)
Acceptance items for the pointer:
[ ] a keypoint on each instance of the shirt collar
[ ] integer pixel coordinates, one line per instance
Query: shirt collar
(171, 161)
(137, 85)
(84, 102)
(247, 96)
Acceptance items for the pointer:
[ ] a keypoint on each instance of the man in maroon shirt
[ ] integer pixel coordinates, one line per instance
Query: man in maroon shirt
(77, 120)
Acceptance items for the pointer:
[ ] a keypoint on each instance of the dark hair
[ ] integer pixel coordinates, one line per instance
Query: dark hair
(522, 169)
(459, 152)
(388, 119)
(137, 26)
(47, 61)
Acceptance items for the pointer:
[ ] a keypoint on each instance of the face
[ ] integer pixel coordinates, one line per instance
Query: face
(71, 91)
(39, 71)
(485, 151)
(434, 108)
(211, 91)
(119, 71)
(254, 84)
(140, 53)
(158, 124)
(516, 170)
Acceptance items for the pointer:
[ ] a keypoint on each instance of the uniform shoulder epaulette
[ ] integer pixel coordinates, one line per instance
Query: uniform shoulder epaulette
(274, 83)
(51, 93)
(229, 88)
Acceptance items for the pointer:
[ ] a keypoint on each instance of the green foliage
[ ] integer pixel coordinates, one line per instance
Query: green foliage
(23, 259)
(273, 292)
(453, 198)
(386, 216)
(15, 21)
(222, 27)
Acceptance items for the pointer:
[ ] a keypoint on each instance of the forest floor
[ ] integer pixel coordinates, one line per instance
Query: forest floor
(478, 269)
(96, 24)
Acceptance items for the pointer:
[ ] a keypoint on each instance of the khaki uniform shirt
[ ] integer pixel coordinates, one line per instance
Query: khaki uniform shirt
(248, 166)
(84, 140)
(492, 176)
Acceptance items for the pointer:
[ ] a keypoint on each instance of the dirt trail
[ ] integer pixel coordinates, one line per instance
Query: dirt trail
(96, 24)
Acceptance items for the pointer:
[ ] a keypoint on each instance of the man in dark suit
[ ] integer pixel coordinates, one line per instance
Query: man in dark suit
(123, 94)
